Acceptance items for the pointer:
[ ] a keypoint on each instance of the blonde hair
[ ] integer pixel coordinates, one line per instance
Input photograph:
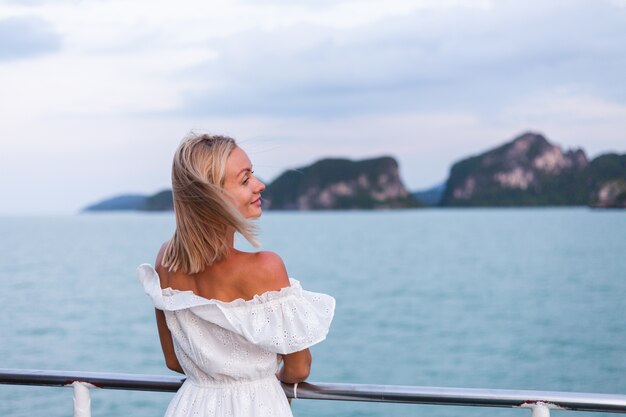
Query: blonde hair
(204, 214)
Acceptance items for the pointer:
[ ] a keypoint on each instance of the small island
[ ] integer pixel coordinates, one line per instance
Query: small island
(530, 171)
(340, 184)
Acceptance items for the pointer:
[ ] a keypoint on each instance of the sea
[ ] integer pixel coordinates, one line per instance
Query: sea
(528, 299)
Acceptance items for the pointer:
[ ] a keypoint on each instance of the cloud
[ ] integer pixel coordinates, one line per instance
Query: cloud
(563, 106)
(27, 37)
(459, 58)
(571, 117)
(334, 59)
(28, 3)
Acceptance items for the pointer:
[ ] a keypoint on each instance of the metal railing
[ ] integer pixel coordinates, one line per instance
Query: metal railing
(540, 402)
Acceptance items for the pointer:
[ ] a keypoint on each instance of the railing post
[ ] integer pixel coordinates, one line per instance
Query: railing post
(82, 399)
(540, 409)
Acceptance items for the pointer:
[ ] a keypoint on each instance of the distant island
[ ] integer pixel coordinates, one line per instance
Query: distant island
(336, 184)
(527, 171)
(530, 171)
(161, 201)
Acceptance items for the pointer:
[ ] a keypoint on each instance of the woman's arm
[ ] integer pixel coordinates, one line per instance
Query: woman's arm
(167, 344)
(296, 367)
(272, 275)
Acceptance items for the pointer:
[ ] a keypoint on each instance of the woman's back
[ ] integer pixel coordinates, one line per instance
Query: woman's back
(240, 275)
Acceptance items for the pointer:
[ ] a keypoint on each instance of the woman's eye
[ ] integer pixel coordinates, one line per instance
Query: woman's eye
(247, 179)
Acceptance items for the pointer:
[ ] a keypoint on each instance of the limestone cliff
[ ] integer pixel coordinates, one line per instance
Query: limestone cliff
(611, 194)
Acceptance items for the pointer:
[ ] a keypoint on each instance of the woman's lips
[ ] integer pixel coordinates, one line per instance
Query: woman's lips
(257, 202)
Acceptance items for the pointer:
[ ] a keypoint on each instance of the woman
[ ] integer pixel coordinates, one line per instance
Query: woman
(226, 318)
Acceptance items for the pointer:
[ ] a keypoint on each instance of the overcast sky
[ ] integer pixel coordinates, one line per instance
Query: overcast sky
(95, 95)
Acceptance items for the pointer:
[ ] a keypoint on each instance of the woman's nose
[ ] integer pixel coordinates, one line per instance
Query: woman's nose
(261, 187)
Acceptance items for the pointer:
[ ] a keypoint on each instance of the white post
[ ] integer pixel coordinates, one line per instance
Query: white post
(82, 399)
(540, 410)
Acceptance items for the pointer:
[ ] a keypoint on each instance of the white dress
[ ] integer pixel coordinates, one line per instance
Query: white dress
(229, 350)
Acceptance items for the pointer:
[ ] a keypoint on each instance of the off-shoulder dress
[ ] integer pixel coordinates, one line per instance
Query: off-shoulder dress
(229, 350)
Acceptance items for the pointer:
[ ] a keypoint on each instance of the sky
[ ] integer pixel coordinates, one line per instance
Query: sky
(95, 95)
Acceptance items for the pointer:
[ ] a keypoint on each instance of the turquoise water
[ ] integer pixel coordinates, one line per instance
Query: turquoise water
(484, 298)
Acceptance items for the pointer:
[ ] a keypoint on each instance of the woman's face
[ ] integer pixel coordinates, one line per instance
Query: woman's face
(242, 185)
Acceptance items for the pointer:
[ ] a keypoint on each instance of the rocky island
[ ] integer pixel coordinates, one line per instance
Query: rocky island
(530, 171)
(340, 184)
(161, 201)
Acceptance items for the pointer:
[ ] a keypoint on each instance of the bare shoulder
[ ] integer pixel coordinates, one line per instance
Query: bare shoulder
(270, 271)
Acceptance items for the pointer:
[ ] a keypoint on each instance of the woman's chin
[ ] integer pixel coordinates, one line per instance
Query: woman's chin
(256, 214)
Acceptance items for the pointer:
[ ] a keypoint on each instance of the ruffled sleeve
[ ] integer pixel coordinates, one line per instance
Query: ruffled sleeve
(283, 322)
(166, 299)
